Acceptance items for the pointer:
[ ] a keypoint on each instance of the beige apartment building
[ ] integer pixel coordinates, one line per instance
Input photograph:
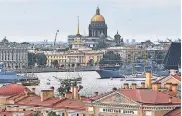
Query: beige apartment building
(73, 56)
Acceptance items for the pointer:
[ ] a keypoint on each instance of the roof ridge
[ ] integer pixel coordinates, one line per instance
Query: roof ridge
(22, 99)
(59, 101)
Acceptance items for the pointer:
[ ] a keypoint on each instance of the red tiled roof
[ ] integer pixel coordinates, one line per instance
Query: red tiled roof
(12, 89)
(174, 76)
(149, 96)
(35, 101)
(160, 80)
(70, 104)
(177, 77)
(98, 96)
(175, 112)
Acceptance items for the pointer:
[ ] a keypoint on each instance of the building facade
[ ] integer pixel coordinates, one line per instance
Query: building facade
(97, 25)
(73, 57)
(13, 55)
(97, 29)
(149, 99)
(126, 52)
(22, 101)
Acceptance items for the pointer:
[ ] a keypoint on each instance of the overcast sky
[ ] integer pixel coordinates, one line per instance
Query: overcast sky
(37, 20)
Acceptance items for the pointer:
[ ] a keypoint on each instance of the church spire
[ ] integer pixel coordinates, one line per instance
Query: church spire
(78, 28)
(97, 11)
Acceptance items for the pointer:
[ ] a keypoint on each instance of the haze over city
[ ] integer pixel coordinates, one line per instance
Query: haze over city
(37, 20)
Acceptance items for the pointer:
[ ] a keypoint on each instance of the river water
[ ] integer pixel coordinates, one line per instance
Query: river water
(90, 82)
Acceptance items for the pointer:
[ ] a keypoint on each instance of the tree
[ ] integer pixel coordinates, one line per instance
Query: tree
(52, 114)
(91, 62)
(41, 59)
(65, 86)
(110, 58)
(31, 59)
(55, 63)
(36, 114)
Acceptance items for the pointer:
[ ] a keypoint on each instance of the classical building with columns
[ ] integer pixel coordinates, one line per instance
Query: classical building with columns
(13, 55)
(97, 30)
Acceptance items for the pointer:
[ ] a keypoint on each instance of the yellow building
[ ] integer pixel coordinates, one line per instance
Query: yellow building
(61, 57)
(73, 57)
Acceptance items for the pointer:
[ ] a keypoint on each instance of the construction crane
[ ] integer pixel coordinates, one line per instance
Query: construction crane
(55, 37)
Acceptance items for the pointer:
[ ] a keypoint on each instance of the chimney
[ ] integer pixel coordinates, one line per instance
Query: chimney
(114, 89)
(174, 88)
(168, 86)
(126, 86)
(143, 84)
(75, 92)
(68, 95)
(154, 86)
(148, 81)
(170, 99)
(82, 98)
(33, 90)
(72, 90)
(52, 88)
(159, 85)
(172, 72)
(133, 85)
(96, 93)
(45, 94)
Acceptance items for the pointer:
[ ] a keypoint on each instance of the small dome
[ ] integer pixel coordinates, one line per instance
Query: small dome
(12, 89)
(97, 17)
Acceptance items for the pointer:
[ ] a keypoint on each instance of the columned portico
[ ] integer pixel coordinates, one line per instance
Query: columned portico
(13, 55)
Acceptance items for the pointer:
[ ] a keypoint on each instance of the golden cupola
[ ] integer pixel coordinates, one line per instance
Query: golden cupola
(97, 17)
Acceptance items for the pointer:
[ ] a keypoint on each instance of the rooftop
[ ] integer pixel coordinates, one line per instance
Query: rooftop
(12, 89)
(173, 56)
(144, 96)
(175, 112)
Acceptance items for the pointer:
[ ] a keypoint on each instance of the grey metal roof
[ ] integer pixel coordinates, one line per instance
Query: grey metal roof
(173, 57)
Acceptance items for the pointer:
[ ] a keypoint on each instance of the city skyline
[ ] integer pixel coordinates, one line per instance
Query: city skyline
(38, 20)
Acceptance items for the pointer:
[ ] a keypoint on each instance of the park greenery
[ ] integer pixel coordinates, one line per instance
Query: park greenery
(36, 114)
(39, 58)
(65, 86)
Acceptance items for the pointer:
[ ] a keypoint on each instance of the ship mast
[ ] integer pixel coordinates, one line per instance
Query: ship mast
(133, 69)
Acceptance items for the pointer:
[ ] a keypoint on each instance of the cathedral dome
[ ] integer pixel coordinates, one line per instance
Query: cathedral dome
(97, 17)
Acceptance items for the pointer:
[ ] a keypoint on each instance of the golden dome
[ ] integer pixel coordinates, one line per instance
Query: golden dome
(97, 18)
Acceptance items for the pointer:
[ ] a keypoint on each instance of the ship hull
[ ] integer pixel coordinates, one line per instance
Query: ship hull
(9, 78)
(105, 74)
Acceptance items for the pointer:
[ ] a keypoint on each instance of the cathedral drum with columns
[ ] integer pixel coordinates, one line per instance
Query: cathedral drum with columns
(97, 30)
(97, 25)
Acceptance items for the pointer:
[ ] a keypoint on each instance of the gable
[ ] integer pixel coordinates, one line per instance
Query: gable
(170, 80)
(116, 98)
